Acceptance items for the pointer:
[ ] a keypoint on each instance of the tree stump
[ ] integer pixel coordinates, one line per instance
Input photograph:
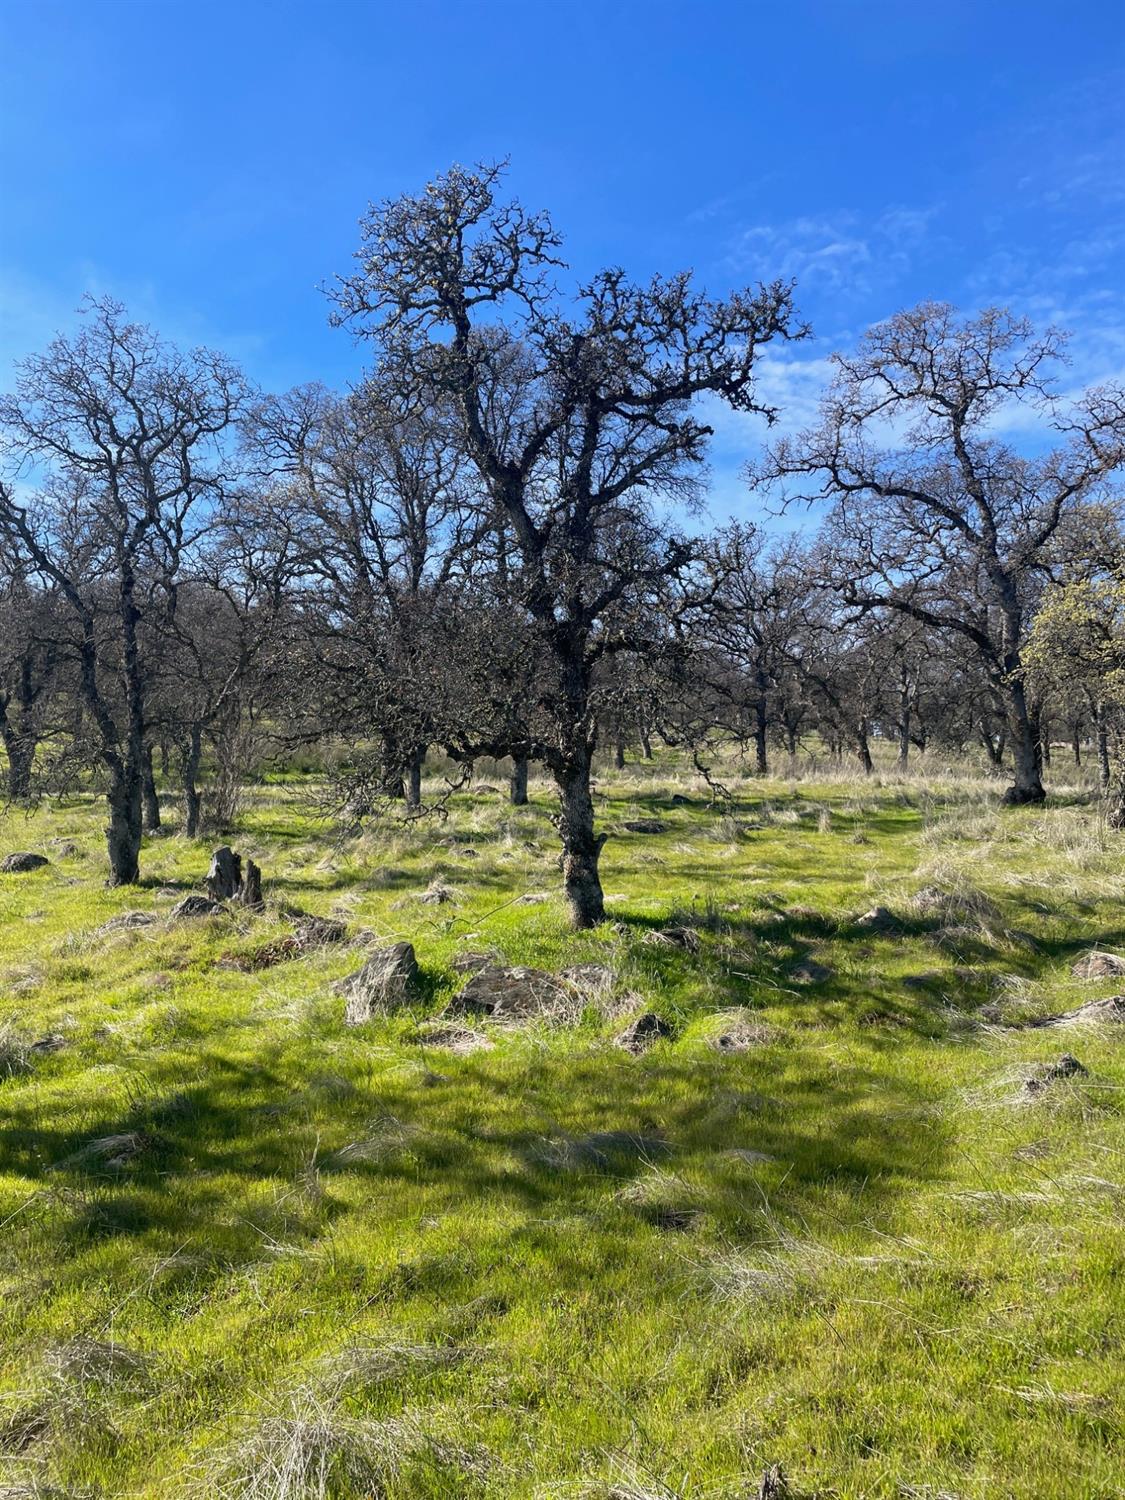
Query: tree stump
(250, 893)
(226, 880)
(225, 875)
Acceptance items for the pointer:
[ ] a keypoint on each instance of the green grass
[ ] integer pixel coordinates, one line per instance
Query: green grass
(329, 1261)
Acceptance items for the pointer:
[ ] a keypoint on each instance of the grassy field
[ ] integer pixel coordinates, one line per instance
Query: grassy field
(248, 1251)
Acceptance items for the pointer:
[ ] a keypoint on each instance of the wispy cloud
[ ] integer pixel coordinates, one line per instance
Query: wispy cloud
(839, 253)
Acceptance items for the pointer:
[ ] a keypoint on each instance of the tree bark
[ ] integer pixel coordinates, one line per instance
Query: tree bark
(863, 750)
(581, 847)
(761, 726)
(191, 757)
(517, 781)
(619, 754)
(412, 779)
(904, 728)
(646, 743)
(151, 821)
(123, 832)
(20, 749)
(1103, 751)
(1023, 735)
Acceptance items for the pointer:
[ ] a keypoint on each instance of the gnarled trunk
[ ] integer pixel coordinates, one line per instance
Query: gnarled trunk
(517, 781)
(123, 832)
(581, 847)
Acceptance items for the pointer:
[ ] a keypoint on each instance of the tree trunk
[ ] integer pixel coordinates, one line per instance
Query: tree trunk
(646, 743)
(1023, 734)
(1103, 752)
(191, 757)
(517, 781)
(1044, 743)
(761, 726)
(863, 750)
(791, 741)
(581, 847)
(20, 749)
(904, 729)
(619, 754)
(151, 801)
(123, 832)
(412, 780)
(1076, 743)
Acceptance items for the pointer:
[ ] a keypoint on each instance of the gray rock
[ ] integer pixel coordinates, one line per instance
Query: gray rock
(646, 825)
(318, 932)
(196, 906)
(384, 982)
(128, 920)
(643, 1032)
(589, 979)
(471, 961)
(1099, 965)
(1090, 1014)
(1067, 1066)
(20, 863)
(511, 994)
(878, 919)
(810, 972)
(673, 937)
(53, 1042)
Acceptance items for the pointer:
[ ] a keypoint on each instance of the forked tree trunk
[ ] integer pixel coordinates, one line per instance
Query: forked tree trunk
(123, 832)
(517, 781)
(581, 847)
(151, 820)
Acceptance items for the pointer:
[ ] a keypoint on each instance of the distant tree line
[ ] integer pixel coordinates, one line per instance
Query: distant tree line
(492, 546)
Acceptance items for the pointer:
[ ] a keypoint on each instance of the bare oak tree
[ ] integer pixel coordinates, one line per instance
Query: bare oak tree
(933, 513)
(575, 415)
(114, 438)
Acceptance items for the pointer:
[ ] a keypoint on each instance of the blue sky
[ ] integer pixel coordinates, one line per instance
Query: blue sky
(206, 163)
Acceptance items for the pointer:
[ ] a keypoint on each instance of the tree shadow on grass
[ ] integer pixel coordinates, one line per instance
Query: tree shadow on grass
(224, 1155)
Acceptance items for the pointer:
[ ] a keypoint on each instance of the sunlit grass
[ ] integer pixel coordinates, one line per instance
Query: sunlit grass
(246, 1250)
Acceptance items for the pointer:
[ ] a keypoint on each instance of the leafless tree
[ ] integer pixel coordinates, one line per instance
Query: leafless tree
(934, 514)
(575, 417)
(114, 438)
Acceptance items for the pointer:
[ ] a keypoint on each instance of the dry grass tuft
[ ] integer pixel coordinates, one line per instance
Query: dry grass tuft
(309, 1448)
(15, 1051)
